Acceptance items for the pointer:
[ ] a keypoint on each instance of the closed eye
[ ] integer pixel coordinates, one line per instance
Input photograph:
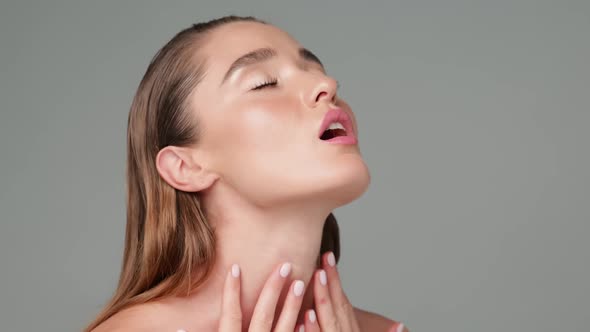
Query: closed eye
(267, 83)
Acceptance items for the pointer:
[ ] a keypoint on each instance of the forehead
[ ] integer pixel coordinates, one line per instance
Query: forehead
(228, 42)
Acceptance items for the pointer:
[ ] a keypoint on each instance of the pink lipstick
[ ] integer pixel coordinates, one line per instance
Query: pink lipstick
(337, 128)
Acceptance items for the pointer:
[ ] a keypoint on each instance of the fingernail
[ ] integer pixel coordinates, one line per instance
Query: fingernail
(323, 277)
(298, 288)
(331, 259)
(400, 327)
(235, 270)
(301, 328)
(285, 270)
(312, 316)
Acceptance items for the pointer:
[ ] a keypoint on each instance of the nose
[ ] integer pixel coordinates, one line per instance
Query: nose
(323, 89)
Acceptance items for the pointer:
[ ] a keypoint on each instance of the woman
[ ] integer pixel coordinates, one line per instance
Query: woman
(238, 151)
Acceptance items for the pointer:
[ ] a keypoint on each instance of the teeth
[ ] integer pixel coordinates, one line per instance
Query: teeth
(336, 125)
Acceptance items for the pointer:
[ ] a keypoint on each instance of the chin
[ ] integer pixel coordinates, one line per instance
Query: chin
(320, 186)
(348, 184)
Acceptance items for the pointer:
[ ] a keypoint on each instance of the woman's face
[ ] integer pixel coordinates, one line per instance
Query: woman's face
(265, 142)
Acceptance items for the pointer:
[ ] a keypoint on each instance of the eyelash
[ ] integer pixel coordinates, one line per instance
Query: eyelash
(274, 81)
(267, 83)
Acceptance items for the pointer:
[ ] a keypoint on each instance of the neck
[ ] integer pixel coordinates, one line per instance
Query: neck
(259, 240)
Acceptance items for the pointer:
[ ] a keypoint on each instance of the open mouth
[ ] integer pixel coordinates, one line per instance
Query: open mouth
(335, 129)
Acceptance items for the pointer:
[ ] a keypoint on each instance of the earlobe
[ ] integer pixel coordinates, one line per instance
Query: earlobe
(180, 170)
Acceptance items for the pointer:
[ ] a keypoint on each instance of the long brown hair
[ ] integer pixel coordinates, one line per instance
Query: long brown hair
(168, 240)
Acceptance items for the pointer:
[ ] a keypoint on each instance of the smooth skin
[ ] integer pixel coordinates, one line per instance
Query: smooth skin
(334, 312)
(262, 170)
(259, 165)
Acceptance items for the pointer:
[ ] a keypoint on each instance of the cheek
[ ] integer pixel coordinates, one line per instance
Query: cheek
(267, 139)
(257, 133)
(258, 128)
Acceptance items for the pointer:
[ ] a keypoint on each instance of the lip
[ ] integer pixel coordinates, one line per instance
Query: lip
(338, 115)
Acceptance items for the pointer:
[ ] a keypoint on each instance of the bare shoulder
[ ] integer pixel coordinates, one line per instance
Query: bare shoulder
(370, 321)
(149, 317)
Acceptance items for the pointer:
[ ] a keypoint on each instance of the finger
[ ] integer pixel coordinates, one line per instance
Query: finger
(326, 316)
(398, 327)
(288, 317)
(311, 321)
(231, 312)
(264, 311)
(340, 302)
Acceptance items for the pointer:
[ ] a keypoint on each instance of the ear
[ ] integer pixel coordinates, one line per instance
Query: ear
(180, 169)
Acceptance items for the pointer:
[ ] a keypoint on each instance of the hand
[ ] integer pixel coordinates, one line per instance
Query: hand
(264, 311)
(334, 311)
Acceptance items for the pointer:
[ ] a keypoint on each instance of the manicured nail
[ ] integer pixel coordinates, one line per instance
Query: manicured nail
(400, 327)
(298, 288)
(331, 259)
(285, 270)
(312, 316)
(301, 328)
(323, 278)
(235, 272)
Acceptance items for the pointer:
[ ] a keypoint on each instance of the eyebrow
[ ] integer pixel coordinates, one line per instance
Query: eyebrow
(264, 54)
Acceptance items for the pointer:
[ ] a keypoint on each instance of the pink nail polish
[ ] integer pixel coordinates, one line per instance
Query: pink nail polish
(331, 259)
(397, 328)
(323, 278)
(312, 316)
(285, 270)
(298, 288)
(235, 270)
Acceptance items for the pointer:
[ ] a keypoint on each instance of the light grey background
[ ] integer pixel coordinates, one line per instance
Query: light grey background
(474, 120)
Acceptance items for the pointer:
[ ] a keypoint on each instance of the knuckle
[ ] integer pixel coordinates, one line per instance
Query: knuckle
(263, 320)
(323, 300)
(235, 315)
(335, 324)
(345, 306)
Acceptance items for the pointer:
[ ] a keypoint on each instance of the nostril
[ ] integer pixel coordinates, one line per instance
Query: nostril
(323, 93)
